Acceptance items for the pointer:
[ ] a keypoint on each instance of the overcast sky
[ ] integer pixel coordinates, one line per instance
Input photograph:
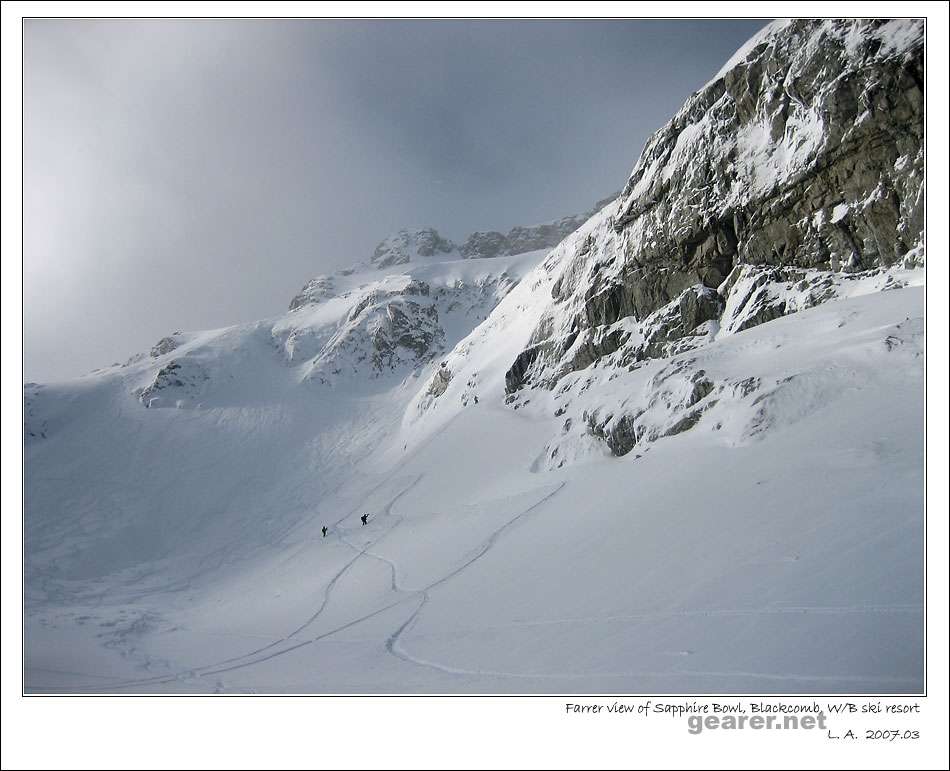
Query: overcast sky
(194, 174)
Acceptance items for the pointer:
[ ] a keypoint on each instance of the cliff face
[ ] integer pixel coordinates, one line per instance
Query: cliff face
(807, 152)
(802, 160)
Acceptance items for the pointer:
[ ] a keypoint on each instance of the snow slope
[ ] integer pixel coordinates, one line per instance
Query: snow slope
(716, 486)
(790, 563)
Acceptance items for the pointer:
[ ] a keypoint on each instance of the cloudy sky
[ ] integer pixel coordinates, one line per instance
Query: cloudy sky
(194, 174)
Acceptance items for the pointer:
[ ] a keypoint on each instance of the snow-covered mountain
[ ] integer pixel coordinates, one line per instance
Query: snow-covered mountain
(426, 244)
(675, 444)
(795, 177)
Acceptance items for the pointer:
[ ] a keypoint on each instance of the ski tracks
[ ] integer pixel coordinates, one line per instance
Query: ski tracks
(398, 650)
(254, 656)
(392, 644)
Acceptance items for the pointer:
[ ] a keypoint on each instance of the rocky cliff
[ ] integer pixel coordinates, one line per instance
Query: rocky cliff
(791, 179)
(802, 160)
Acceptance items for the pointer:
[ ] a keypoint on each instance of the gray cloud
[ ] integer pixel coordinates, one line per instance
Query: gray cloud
(192, 174)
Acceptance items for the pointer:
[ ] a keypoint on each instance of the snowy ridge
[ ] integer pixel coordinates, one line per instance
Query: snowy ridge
(423, 245)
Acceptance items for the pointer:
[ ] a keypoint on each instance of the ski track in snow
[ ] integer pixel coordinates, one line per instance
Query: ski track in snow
(200, 671)
(463, 672)
(393, 643)
(187, 584)
(396, 646)
(236, 662)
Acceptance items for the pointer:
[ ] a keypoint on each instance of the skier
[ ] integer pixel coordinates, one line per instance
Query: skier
(324, 531)
(363, 518)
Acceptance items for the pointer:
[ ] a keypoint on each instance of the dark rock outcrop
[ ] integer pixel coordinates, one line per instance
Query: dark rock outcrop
(163, 346)
(175, 383)
(802, 157)
(315, 290)
(401, 247)
(519, 240)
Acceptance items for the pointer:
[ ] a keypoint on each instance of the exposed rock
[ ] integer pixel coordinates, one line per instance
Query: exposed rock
(403, 246)
(663, 333)
(416, 287)
(440, 381)
(387, 331)
(517, 374)
(408, 326)
(806, 152)
(799, 164)
(388, 324)
(163, 346)
(757, 294)
(485, 244)
(175, 385)
(526, 239)
(315, 290)
(681, 318)
(671, 403)
(584, 348)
